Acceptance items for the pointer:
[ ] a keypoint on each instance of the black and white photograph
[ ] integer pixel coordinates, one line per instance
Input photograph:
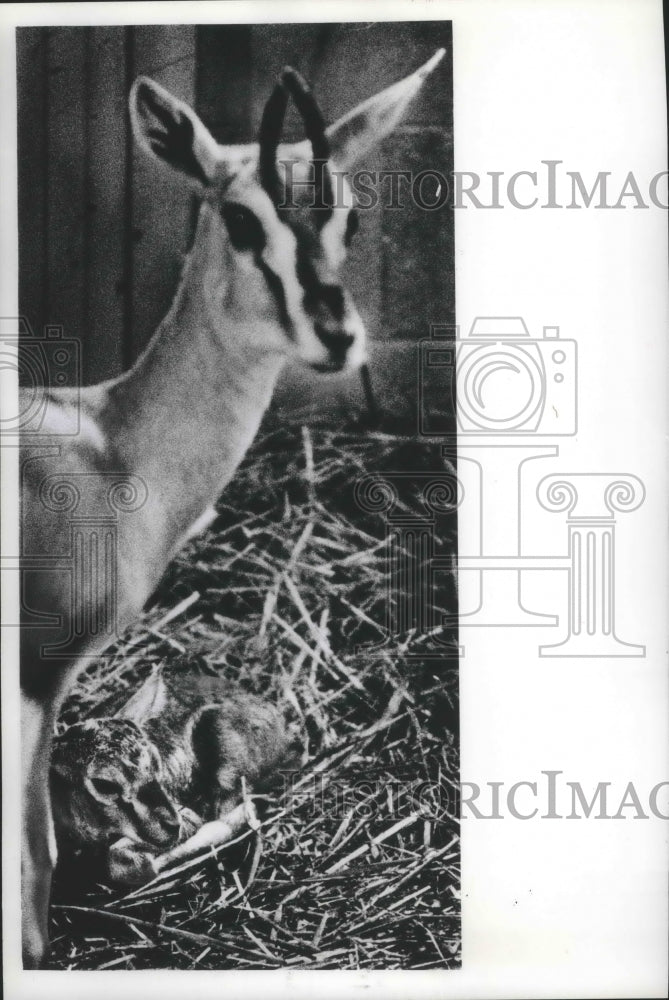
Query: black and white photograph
(231, 244)
(333, 371)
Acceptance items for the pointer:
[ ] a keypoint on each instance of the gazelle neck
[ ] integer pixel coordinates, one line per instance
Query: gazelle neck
(183, 417)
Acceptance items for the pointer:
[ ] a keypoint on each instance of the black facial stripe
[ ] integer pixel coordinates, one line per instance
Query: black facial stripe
(315, 292)
(324, 200)
(322, 208)
(352, 226)
(332, 296)
(275, 286)
(308, 279)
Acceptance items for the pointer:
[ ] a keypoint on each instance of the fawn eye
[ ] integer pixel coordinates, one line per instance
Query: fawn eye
(103, 786)
(151, 794)
(352, 226)
(244, 228)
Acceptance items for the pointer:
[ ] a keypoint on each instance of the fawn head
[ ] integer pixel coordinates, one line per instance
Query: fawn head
(107, 782)
(277, 218)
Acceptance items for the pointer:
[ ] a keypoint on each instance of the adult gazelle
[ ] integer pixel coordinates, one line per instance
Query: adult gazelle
(261, 285)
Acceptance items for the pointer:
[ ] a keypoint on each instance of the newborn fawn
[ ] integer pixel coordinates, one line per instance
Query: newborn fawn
(167, 770)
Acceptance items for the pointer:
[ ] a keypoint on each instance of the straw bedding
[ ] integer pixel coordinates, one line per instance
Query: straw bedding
(356, 862)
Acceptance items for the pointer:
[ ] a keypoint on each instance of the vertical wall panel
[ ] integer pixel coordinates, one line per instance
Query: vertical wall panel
(277, 45)
(32, 156)
(107, 123)
(160, 45)
(418, 277)
(402, 271)
(66, 179)
(225, 81)
(162, 203)
(417, 274)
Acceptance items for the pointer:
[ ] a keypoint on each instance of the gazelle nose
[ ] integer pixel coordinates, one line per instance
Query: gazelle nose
(337, 342)
(340, 346)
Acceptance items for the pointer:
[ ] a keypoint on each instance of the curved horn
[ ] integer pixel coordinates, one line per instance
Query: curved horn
(314, 128)
(269, 135)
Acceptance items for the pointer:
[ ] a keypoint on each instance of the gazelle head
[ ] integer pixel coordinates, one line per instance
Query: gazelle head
(277, 218)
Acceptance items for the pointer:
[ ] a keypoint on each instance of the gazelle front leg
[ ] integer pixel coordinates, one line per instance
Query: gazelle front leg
(38, 840)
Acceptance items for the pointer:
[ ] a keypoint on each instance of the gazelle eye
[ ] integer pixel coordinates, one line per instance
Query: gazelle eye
(105, 787)
(244, 228)
(352, 226)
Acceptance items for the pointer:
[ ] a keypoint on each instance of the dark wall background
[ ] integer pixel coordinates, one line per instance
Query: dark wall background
(102, 234)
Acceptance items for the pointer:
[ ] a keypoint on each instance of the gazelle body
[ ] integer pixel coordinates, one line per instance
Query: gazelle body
(261, 284)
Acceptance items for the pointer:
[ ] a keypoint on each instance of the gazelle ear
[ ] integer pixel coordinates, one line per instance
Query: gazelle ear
(168, 129)
(362, 128)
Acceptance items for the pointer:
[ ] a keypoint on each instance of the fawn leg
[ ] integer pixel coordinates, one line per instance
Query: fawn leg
(130, 863)
(212, 834)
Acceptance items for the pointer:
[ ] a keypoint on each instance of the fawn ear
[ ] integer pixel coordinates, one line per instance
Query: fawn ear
(168, 129)
(147, 702)
(366, 125)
